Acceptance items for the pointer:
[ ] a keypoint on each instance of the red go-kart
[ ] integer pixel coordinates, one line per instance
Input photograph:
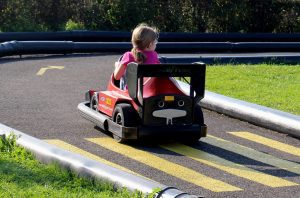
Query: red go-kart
(154, 103)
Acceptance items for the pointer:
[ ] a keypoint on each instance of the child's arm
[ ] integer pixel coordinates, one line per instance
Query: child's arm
(119, 70)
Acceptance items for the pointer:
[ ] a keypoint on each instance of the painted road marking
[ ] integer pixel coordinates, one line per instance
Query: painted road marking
(44, 69)
(268, 142)
(164, 165)
(74, 149)
(228, 166)
(252, 154)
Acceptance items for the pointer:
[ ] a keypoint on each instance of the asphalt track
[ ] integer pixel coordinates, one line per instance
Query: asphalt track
(39, 96)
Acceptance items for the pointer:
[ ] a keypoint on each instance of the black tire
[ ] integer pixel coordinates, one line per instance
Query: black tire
(125, 115)
(191, 140)
(198, 115)
(94, 102)
(198, 119)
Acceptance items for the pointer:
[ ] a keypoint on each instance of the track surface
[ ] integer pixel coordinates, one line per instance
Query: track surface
(43, 103)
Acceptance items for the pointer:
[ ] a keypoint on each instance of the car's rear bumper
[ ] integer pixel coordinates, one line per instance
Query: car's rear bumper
(133, 133)
(173, 131)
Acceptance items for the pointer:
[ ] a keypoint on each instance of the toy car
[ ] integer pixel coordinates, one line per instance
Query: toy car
(154, 103)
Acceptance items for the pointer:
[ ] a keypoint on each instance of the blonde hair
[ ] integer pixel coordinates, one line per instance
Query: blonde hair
(142, 36)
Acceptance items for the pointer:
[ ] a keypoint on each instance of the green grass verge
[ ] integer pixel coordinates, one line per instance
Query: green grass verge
(21, 175)
(274, 86)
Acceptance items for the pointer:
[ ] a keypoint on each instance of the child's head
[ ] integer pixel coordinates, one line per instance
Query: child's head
(145, 38)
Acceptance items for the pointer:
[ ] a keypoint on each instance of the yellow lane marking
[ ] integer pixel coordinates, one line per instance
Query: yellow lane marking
(165, 166)
(44, 69)
(252, 154)
(77, 150)
(268, 142)
(228, 166)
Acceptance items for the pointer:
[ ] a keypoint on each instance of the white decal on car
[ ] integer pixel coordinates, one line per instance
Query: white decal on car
(169, 114)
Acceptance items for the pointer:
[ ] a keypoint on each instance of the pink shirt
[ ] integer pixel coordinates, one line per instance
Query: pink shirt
(152, 58)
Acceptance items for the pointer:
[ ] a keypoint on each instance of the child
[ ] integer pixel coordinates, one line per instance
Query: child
(144, 40)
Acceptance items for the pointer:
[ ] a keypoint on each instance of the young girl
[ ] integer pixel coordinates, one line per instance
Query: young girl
(144, 40)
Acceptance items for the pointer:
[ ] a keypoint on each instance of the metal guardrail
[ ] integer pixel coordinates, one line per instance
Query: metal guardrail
(117, 36)
(66, 47)
(78, 36)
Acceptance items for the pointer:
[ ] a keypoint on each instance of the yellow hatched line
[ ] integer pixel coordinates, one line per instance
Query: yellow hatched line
(77, 150)
(268, 142)
(228, 166)
(252, 154)
(165, 166)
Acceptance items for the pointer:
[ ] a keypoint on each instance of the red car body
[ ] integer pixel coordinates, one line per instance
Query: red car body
(153, 104)
(152, 87)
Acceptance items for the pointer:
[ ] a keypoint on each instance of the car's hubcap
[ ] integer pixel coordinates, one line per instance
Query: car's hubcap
(119, 119)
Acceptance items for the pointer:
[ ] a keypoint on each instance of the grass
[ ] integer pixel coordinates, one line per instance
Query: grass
(274, 86)
(21, 175)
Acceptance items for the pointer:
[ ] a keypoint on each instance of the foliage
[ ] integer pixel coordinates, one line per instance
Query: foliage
(154, 193)
(7, 144)
(167, 15)
(71, 25)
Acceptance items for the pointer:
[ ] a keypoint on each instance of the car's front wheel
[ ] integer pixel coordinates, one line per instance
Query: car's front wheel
(94, 102)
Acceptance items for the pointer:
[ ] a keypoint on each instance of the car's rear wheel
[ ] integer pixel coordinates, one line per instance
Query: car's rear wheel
(124, 115)
(190, 140)
(198, 119)
(198, 115)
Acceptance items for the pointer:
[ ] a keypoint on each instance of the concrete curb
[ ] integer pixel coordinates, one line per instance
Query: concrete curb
(48, 153)
(253, 113)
